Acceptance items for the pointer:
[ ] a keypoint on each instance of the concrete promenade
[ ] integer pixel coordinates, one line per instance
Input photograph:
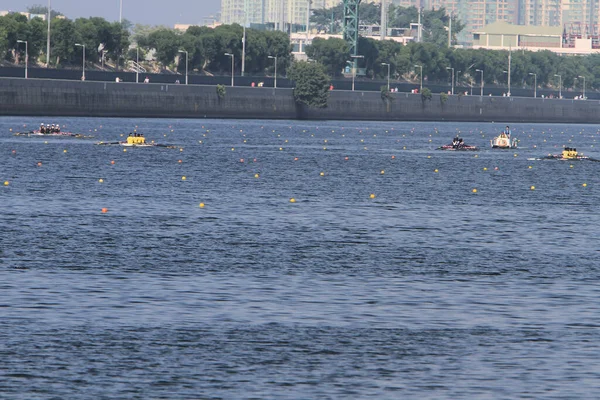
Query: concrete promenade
(41, 97)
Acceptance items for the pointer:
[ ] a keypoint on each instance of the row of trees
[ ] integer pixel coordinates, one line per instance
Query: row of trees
(437, 63)
(93, 32)
(207, 47)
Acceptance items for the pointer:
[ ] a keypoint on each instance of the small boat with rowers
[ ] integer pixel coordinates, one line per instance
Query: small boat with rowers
(504, 140)
(568, 154)
(458, 145)
(52, 131)
(136, 140)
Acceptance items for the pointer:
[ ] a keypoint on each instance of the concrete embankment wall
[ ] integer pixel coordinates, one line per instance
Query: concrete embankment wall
(110, 99)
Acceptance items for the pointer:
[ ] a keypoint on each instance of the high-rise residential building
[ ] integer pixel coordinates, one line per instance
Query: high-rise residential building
(282, 13)
(320, 4)
(243, 12)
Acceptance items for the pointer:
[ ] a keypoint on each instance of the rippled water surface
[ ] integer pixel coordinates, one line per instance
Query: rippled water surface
(387, 278)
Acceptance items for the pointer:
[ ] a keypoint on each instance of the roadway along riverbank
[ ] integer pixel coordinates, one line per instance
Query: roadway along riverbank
(37, 97)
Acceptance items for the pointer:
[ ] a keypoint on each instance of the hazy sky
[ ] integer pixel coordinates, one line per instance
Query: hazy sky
(153, 12)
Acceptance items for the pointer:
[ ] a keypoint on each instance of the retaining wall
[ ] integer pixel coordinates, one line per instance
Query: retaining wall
(40, 97)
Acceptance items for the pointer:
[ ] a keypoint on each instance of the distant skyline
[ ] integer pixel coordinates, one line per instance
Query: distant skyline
(148, 12)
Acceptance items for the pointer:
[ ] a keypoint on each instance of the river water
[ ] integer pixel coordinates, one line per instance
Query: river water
(426, 289)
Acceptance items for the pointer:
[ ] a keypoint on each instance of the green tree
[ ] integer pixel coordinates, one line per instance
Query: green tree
(311, 84)
(166, 42)
(62, 42)
(332, 53)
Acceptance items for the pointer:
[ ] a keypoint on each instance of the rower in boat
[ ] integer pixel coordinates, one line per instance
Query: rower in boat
(458, 145)
(136, 139)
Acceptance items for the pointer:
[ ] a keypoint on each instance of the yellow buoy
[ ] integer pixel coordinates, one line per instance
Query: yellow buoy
(382, 172)
(372, 195)
(5, 183)
(485, 168)
(256, 175)
(322, 174)
(435, 170)
(292, 200)
(201, 205)
(101, 180)
(65, 150)
(584, 185)
(124, 150)
(474, 190)
(183, 178)
(532, 187)
(233, 149)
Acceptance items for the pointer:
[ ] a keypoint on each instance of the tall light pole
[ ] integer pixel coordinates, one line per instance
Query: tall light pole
(509, 59)
(186, 65)
(83, 49)
(388, 81)
(421, 87)
(137, 63)
(244, 51)
(27, 56)
(354, 68)
(450, 68)
(275, 58)
(48, 39)
(534, 84)
(121, 11)
(232, 66)
(559, 85)
(580, 76)
(480, 70)
(450, 31)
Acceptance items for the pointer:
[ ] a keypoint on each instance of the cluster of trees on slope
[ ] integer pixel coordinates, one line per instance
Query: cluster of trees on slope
(206, 47)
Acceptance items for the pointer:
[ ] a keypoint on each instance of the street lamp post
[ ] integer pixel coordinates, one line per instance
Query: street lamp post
(534, 84)
(137, 64)
(421, 74)
(83, 50)
(450, 68)
(388, 76)
(244, 50)
(559, 85)
(232, 66)
(275, 58)
(120, 11)
(186, 65)
(354, 68)
(27, 55)
(583, 77)
(48, 38)
(480, 70)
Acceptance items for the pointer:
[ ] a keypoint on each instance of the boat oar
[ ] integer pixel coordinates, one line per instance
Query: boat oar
(107, 143)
